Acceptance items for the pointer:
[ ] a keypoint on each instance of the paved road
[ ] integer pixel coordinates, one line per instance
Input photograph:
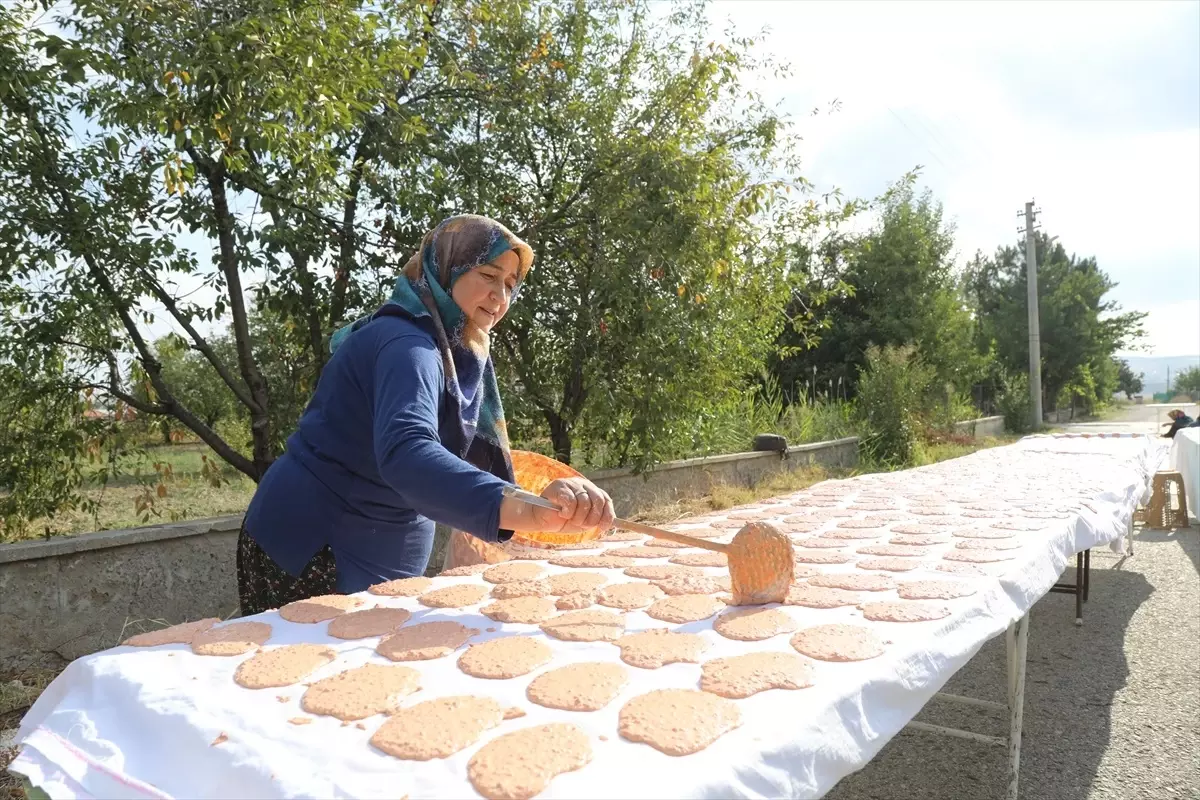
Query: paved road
(1112, 709)
(1134, 419)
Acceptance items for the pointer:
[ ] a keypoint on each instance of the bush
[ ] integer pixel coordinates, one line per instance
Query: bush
(1013, 402)
(891, 392)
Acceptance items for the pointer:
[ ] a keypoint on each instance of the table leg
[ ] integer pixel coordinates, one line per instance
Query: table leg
(1017, 641)
(1087, 573)
(1079, 589)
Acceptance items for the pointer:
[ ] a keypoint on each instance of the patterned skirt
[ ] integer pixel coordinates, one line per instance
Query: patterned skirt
(264, 585)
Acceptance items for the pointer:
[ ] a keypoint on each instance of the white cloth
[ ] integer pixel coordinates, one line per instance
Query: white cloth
(142, 723)
(1185, 459)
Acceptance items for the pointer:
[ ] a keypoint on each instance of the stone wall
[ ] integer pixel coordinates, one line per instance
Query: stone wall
(984, 426)
(65, 597)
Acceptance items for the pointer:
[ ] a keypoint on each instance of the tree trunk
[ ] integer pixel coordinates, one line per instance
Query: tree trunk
(560, 437)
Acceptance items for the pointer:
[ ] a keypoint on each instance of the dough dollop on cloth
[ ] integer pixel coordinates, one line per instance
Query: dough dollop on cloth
(521, 571)
(521, 610)
(282, 666)
(500, 659)
(457, 596)
(521, 764)
(402, 587)
(741, 676)
(588, 686)
(628, 596)
(437, 728)
(425, 641)
(753, 624)
(684, 608)
(572, 582)
(182, 633)
(368, 622)
(319, 609)
(657, 647)
(361, 692)
(233, 639)
(677, 722)
(585, 626)
(838, 642)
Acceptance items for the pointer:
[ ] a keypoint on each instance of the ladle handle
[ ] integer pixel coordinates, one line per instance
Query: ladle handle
(629, 525)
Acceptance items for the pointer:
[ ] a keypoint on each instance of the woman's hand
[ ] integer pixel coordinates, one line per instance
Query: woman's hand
(583, 505)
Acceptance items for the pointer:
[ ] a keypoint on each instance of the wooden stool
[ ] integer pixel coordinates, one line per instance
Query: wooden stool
(1160, 515)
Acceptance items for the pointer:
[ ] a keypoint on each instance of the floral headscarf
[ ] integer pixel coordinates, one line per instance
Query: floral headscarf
(422, 293)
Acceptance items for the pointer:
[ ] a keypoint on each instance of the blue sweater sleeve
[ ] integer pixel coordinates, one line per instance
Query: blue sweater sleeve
(411, 458)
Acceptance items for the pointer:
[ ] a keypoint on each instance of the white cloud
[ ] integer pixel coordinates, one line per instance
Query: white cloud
(1091, 108)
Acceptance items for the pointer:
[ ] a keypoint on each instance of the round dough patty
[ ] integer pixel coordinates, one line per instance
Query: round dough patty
(500, 659)
(588, 686)
(838, 642)
(677, 722)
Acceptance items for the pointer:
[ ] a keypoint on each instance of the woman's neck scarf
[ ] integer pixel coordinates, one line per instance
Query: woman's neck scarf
(422, 294)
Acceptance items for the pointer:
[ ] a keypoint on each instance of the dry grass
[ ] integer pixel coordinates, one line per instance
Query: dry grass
(189, 495)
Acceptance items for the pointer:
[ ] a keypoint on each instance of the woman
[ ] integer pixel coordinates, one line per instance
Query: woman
(405, 428)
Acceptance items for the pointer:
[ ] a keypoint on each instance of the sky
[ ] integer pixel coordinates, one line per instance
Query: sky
(1091, 109)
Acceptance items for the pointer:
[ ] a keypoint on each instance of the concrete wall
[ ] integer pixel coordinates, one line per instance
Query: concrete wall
(65, 597)
(984, 426)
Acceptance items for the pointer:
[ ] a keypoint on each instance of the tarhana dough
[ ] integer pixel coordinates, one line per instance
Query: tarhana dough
(658, 572)
(853, 582)
(657, 647)
(628, 596)
(571, 582)
(464, 571)
(822, 557)
(684, 608)
(903, 611)
(742, 676)
(694, 584)
(640, 551)
(820, 597)
(838, 642)
(979, 556)
(753, 624)
(522, 571)
(703, 558)
(402, 587)
(575, 601)
(319, 609)
(889, 564)
(232, 639)
(182, 633)
(592, 562)
(982, 533)
(589, 686)
(677, 722)
(456, 596)
(858, 534)
(361, 692)
(521, 764)
(585, 626)
(425, 641)
(521, 610)
(368, 622)
(504, 658)
(534, 588)
(282, 666)
(934, 590)
(437, 728)
(987, 544)
(821, 543)
(893, 551)
(915, 541)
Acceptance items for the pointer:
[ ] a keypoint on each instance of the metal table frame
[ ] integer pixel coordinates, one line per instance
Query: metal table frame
(1083, 581)
(1017, 646)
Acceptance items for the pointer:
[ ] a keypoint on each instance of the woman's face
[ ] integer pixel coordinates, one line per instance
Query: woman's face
(484, 293)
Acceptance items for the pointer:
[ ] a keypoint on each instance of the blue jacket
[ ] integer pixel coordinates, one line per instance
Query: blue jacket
(366, 472)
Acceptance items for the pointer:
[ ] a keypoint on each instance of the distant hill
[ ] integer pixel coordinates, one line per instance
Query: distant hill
(1155, 369)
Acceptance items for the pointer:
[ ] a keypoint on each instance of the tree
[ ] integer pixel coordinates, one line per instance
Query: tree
(1127, 381)
(1080, 330)
(192, 111)
(903, 291)
(642, 170)
(1187, 381)
(309, 148)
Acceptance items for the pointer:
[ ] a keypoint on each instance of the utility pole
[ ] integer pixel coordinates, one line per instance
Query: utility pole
(1035, 338)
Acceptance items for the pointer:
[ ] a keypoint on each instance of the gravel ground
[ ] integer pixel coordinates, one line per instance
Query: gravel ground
(1112, 709)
